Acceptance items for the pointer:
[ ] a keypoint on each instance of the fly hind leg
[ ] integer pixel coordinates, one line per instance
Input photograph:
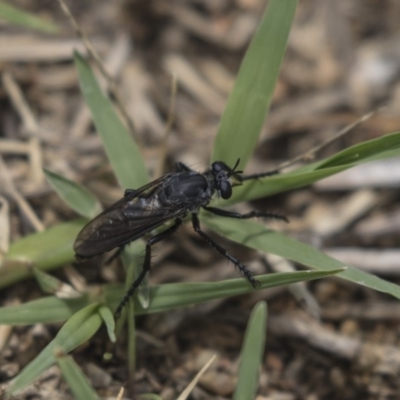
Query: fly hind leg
(146, 264)
(242, 268)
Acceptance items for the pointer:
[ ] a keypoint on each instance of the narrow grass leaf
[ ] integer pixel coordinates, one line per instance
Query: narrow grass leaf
(166, 297)
(26, 20)
(122, 151)
(74, 195)
(252, 353)
(381, 148)
(248, 104)
(48, 283)
(163, 297)
(258, 237)
(109, 321)
(51, 285)
(77, 330)
(46, 310)
(132, 258)
(45, 250)
(364, 151)
(77, 381)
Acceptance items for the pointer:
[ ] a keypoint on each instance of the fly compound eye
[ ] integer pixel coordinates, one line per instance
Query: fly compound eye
(225, 189)
(217, 166)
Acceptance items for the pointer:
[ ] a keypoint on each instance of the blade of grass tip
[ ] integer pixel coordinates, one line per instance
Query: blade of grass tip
(122, 151)
(74, 195)
(252, 353)
(51, 285)
(26, 20)
(258, 237)
(249, 101)
(185, 394)
(310, 153)
(48, 309)
(48, 283)
(363, 151)
(45, 250)
(77, 381)
(77, 330)
(109, 321)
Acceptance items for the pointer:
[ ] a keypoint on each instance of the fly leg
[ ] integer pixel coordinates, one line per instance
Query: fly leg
(260, 175)
(146, 264)
(251, 214)
(242, 268)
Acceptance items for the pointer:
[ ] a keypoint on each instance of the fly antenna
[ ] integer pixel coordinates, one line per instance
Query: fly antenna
(234, 172)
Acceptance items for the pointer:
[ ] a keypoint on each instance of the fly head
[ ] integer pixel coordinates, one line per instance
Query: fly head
(222, 174)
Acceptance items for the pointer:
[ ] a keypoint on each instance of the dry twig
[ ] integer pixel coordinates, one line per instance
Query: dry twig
(309, 154)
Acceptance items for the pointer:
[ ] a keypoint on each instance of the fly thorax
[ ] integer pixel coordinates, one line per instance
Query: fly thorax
(187, 188)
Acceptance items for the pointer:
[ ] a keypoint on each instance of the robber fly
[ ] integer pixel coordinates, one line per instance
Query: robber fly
(171, 197)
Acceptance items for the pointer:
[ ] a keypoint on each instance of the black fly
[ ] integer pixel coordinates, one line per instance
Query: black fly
(171, 197)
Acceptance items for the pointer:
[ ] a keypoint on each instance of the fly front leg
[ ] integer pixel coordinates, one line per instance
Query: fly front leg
(146, 264)
(260, 175)
(242, 268)
(251, 214)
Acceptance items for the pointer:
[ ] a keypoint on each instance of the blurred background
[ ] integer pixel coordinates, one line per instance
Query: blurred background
(331, 339)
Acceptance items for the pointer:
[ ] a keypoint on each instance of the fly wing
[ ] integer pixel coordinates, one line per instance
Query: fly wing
(144, 191)
(128, 219)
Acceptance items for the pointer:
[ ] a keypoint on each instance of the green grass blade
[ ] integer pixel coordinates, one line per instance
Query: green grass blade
(74, 195)
(46, 310)
(249, 101)
(381, 148)
(46, 250)
(123, 153)
(109, 321)
(26, 20)
(132, 258)
(48, 283)
(163, 297)
(365, 151)
(166, 297)
(252, 353)
(77, 381)
(259, 237)
(77, 330)
(149, 396)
